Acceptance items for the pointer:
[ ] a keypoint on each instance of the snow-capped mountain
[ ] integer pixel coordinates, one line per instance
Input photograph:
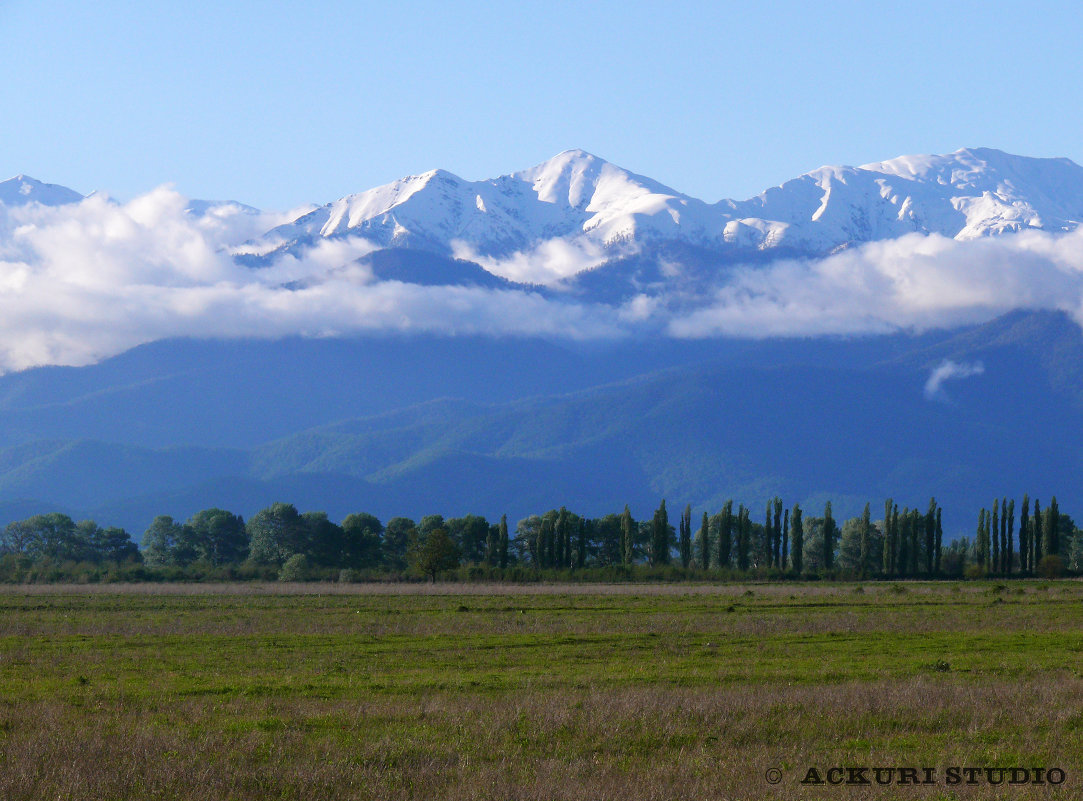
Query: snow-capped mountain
(22, 190)
(581, 198)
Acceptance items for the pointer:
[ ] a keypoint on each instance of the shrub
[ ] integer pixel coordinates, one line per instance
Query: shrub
(1050, 566)
(294, 568)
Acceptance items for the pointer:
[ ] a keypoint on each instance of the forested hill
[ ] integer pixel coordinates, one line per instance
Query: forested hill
(466, 425)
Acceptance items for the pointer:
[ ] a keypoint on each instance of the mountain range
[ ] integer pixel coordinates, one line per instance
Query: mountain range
(416, 423)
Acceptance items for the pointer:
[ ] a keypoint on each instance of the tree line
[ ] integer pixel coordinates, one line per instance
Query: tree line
(281, 542)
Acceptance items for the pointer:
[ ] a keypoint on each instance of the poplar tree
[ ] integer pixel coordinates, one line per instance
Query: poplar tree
(1036, 536)
(563, 555)
(686, 536)
(627, 543)
(887, 562)
(742, 538)
(902, 537)
(725, 530)
(503, 553)
(1009, 545)
(939, 540)
(829, 537)
(777, 530)
(1024, 535)
(1051, 529)
(995, 536)
(930, 536)
(581, 546)
(981, 545)
(798, 552)
(660, 536)
(915, 525)
(768, 537)
(785, 536)
(1003, 534)
(866, 525)
(704, 543)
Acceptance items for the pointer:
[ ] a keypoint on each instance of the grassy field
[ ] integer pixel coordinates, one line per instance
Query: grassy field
(586, 692)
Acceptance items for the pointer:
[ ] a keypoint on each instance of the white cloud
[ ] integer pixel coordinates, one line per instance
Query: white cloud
(547, 263)
(82, 282)
(915, 283)
(946, 370)
(85, 281)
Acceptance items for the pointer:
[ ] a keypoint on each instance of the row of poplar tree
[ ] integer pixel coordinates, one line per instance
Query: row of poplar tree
(905, 543)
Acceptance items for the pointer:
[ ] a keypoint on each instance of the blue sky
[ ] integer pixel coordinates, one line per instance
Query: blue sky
(277, 104)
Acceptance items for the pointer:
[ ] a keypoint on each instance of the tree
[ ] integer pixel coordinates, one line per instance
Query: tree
(981, 543)
(276, 533)
(994, 538)
(660, 536)
(798, 539)
(294, 568)
(503, 543)
(686, 536)
(396, 542)
(1051, 529)
(939, 541)
(889, 540)
(744, 534)
(1007, 548)
(1024, 535)
(863, 549)
(218, 536)
(930, 536)
(768, 538)
(160, 542)
(581, 544)
(362, 541)
(785, 536)
(437, 553)
(725, 531)
(829, 537)
(627, 527)
(470, 533)
(703, 542)
(776, 530)
(1036, 536)
(859, 549)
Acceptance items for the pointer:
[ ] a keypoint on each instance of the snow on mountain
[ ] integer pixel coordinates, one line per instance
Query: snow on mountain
(574, 194)
(584, 200)
(22, 190)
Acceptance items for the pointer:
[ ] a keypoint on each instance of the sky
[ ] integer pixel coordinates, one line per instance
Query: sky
(280, 104)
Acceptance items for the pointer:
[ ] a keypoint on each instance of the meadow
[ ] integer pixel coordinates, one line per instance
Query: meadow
(336, 691)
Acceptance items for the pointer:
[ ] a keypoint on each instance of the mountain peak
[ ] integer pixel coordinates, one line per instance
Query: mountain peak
(23, 190)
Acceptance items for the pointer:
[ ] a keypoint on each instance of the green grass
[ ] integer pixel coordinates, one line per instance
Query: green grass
(553, 692)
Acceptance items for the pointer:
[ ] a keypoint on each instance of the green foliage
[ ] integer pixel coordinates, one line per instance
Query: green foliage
(294, 569)
(276, 533)
(436, 554)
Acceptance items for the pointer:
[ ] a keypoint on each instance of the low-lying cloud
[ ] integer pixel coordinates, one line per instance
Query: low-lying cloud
(948, 370)
(915, 283)
(85, 281)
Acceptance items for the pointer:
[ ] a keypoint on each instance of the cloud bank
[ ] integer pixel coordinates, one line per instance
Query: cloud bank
(915, 282)
(89, 280)
(85, 281)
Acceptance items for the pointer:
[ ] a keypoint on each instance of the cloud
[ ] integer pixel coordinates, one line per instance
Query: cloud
(85, 281)
(946, 370)
(915, 283)
(546, 263)
(82, 282)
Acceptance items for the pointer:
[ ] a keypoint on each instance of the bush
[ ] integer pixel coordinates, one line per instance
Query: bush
(294, 568)
(1050, 566)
